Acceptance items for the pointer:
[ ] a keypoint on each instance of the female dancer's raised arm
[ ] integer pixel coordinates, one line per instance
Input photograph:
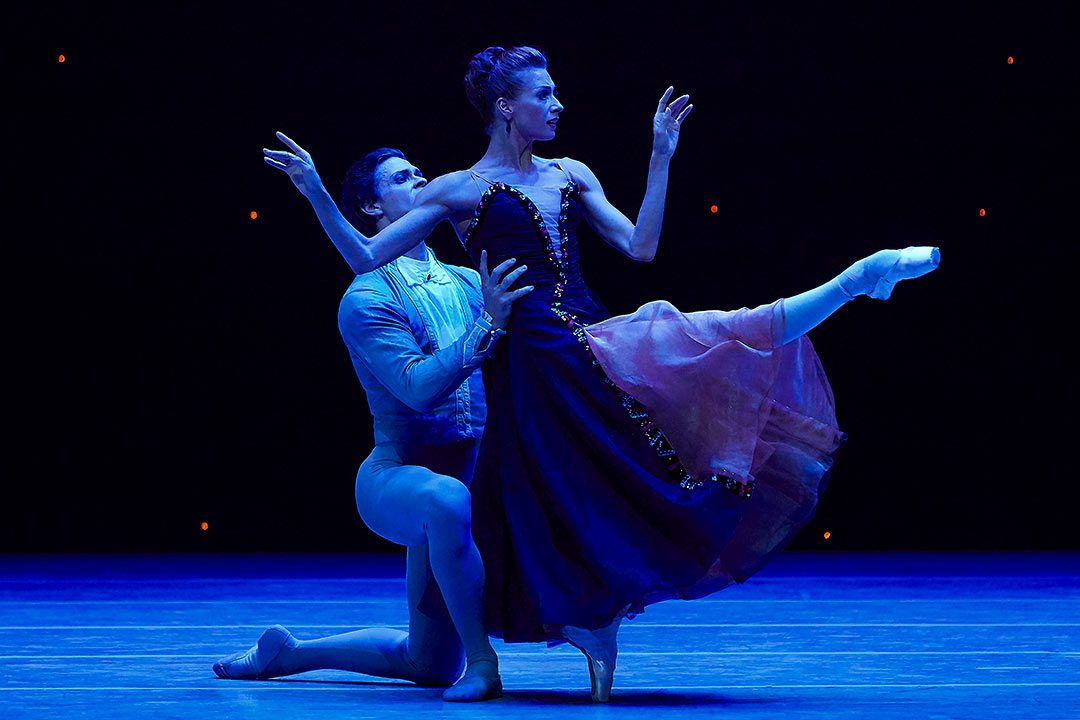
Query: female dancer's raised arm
(636, 240)
(442, 199)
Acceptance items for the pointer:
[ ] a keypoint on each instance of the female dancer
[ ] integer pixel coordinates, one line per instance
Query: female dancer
(626, 460)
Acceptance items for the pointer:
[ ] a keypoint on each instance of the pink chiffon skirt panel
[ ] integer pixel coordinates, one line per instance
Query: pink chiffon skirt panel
(731, 401)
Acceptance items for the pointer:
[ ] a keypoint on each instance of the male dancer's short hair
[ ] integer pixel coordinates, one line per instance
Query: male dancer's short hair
(358, 188)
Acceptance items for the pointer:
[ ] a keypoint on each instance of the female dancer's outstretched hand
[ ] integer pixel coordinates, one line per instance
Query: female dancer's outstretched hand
(297, 164)
(498, 297)
(667, 121)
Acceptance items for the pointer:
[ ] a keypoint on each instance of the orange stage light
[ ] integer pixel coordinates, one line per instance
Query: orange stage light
(828, 534)
(205, 526)
(254, 214)
(1010, 61)
(982, 212)
(61, 59)
(714, 209)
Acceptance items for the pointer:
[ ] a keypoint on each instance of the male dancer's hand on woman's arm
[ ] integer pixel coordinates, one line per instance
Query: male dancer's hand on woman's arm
(363, 254)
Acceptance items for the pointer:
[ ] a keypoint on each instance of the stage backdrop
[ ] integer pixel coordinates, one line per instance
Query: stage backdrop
(171, 314)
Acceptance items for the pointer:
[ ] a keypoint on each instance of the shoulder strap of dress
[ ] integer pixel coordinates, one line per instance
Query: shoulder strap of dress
(476, 175)
(559, 164)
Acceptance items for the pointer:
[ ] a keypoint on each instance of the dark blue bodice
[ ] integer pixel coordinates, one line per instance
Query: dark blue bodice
(508, 224)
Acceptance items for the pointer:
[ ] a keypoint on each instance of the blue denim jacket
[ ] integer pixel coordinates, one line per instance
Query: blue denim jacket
(417, 391)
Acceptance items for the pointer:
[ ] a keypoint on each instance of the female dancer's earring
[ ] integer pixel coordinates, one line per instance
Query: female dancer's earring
(507, 126)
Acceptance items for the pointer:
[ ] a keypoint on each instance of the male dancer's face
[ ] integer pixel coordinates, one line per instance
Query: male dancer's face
(397, 183)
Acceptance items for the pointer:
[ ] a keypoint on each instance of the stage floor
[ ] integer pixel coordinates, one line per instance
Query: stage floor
(981, 635)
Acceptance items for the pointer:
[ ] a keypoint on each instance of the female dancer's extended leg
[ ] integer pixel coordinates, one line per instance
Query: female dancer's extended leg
(874, 275)
(430, 513)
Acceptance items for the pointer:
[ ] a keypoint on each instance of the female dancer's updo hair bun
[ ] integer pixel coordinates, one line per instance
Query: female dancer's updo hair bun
(493, 74)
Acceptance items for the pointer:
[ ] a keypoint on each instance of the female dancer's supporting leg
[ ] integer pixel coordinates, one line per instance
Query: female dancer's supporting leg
(431, 514)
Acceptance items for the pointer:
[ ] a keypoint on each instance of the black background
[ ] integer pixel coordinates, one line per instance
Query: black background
(173, 361)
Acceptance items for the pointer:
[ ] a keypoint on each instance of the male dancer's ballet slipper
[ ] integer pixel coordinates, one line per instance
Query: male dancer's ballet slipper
(251, 664)
(877, 274)
(481, 681)
(601, 650)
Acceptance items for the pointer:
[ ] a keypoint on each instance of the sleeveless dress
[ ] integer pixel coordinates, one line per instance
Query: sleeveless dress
(630, 459)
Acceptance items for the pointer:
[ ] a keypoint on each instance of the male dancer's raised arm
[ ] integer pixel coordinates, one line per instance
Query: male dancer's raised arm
(437, 202)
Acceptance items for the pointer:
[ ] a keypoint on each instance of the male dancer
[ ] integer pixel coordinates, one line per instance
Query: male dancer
(417, 332)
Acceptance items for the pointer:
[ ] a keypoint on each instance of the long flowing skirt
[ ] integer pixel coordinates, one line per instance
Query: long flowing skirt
(642, 457)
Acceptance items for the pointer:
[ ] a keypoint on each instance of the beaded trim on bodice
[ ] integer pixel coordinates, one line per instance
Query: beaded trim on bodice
(637, 412)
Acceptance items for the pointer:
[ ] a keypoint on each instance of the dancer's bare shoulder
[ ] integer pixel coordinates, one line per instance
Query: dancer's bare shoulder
(581, 173)
(546, 163)
(455, 192)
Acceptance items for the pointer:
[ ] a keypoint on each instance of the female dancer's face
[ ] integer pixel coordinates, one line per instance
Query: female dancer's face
(536, 109)
(397, 183)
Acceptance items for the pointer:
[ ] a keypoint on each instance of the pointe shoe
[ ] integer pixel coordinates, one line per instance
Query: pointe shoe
(476, 684)
(913, 262)
(251, 664)
(601, 650)
(877, 274)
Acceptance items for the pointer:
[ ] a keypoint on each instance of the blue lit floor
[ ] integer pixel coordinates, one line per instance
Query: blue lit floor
(813, 636)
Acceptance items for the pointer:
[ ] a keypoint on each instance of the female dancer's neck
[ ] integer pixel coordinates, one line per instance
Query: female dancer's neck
(510, 151)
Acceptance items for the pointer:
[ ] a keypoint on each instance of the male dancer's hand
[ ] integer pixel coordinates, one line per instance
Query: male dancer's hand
(498, 297)
(297, 164)
(667, 122)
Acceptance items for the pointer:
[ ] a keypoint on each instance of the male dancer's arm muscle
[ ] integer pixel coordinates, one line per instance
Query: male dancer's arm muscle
(364, 254)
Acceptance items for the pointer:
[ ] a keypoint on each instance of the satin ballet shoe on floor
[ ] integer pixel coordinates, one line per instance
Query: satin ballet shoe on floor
(251, 664)
(480, 682)
(877, 274)
(600, 649)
